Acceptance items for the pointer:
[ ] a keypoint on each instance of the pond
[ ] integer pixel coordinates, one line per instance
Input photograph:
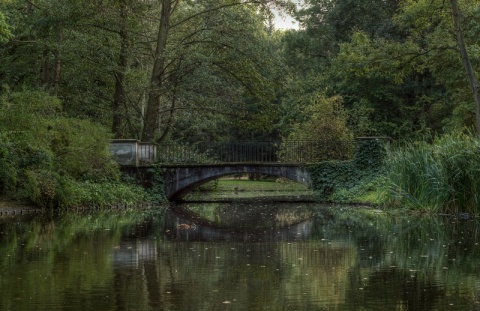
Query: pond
(239, 256)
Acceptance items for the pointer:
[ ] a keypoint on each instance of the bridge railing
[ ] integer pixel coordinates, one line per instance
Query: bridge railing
(254, 152)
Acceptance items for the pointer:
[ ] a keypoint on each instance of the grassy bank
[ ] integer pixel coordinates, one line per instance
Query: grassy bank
(227, 188)
(233, 188)
(259, 185)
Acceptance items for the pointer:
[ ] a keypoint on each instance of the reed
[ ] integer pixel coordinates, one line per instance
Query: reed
(442, 177)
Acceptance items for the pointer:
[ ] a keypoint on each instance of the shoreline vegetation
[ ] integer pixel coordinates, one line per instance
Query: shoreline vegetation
(56, 162)
(439, 177)
(59, 163)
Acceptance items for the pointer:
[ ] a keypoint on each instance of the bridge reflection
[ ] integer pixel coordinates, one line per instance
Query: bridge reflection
(132, 252)
(280, 225)
(182, 267)
(211, 233)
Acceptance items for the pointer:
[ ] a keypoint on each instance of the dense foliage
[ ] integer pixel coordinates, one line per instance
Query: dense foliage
(396, 67)
(55, 161)
(353, 180)
(223, 73)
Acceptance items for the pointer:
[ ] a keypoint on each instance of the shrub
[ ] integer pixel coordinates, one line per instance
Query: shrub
(55, 161)
(41, 187)
(346, 181)
(102, 195)
(33, 125)
(81, 150)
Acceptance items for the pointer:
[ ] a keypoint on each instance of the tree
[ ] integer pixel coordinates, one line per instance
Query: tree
(314, 55)
(324, 127)
(469, 71)
(213, 26)
(5, 29)
(151, 121)
(388, 89)
(325, 119)
(398, 73)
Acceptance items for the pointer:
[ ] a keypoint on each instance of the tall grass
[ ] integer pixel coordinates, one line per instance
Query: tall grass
(442, 177)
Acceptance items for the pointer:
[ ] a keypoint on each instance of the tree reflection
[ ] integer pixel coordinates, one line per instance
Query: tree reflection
(305, 259)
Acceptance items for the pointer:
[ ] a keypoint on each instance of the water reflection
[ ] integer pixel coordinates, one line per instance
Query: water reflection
(302, 257)
(244, 222)
(131, 253)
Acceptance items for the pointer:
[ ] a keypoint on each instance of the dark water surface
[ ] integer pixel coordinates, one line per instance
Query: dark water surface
(242, 256)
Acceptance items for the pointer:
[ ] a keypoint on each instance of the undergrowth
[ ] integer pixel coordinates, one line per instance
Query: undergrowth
(355, 180)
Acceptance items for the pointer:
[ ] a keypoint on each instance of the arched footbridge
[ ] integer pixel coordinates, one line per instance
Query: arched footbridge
(186, 167)
(181, 179)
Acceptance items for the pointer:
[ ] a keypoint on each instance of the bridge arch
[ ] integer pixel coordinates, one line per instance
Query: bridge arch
(180, 180)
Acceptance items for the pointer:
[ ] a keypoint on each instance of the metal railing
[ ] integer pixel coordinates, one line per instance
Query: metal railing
(146, 153)
(254, 152)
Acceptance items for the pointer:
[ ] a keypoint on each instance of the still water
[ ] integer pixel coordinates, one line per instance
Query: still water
(240, 256)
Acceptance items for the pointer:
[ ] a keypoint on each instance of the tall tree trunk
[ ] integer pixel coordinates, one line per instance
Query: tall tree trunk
(168, 125)
(51, 71)
(466, 62)
(45, 79)
(58, 61)
(151, 118)
(119, 96)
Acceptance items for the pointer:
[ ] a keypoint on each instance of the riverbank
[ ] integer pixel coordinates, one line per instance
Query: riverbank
(11, 207)
(225, 188)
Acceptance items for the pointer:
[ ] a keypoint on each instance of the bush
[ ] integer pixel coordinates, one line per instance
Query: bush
(41, 188)
(102, 195)
(347, 181)
(32, 124)
(55, 161)
(81, 150)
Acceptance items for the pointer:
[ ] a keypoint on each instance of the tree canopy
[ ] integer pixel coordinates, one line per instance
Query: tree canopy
(176, 70)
